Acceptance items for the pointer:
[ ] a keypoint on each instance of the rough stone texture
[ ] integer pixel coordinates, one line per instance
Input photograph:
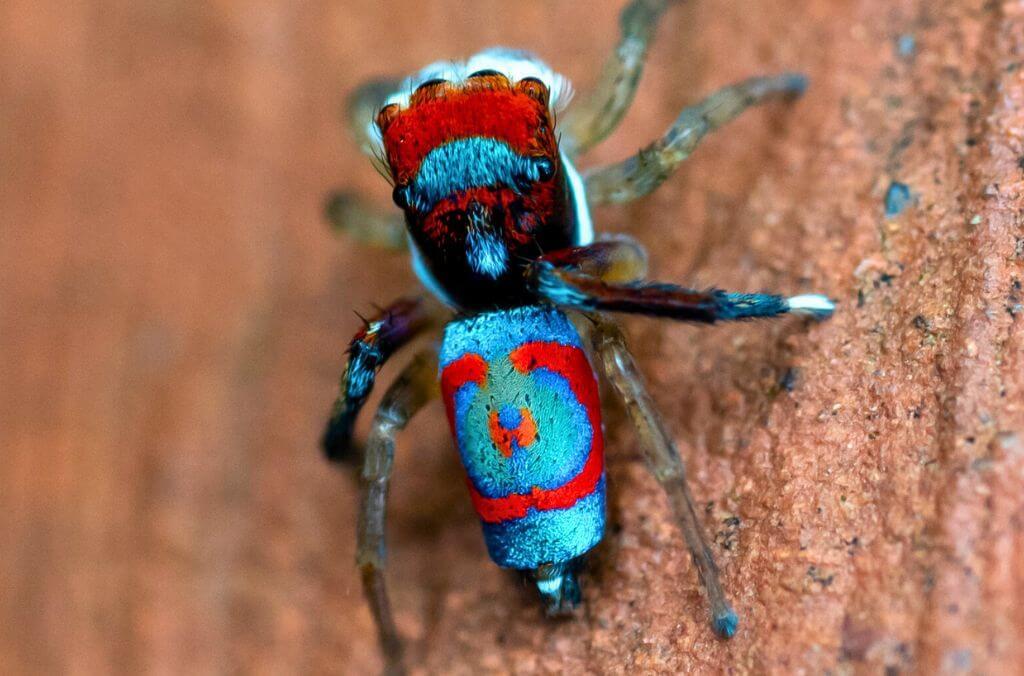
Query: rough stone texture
(174, 312)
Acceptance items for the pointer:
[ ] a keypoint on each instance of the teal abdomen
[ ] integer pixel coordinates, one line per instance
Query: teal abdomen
(523, 405)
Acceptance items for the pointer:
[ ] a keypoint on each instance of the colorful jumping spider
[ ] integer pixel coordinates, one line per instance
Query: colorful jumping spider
(497, 220)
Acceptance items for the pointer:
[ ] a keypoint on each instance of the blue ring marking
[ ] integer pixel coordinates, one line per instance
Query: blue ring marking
(564, 434)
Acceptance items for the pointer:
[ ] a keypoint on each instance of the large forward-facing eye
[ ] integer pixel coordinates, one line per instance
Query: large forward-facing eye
(537, 169)
(545, 168)
(401, 196)
(535, 89)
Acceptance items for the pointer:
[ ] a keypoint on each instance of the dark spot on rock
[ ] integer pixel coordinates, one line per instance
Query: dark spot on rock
(906, 45)
(817, 576)
(897, 198)
(789, 379)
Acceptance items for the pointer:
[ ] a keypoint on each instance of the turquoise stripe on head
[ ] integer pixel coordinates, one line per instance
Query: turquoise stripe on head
(469, 163)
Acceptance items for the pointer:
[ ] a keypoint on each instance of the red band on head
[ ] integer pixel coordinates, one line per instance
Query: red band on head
(507, 115)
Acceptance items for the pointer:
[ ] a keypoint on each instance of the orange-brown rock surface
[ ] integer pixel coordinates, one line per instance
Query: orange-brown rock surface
(174, 312)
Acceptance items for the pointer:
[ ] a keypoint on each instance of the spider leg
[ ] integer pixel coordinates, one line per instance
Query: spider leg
(416, 386)
(572, 287)
(362, 220)
(365, 222)
(645, 171)
(388, 330)
(619, 367)
(612, 258)
(362, 107)
(592, 119)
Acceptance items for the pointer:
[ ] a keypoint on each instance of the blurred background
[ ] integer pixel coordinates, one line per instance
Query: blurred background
(174, 311)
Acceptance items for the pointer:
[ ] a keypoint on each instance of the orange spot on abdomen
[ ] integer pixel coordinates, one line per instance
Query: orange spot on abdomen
(525, 433)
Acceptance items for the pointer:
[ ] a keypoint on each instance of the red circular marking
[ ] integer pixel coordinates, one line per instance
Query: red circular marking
(570, 363)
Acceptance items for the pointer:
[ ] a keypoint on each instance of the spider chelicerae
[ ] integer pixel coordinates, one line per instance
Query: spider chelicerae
(497, 221)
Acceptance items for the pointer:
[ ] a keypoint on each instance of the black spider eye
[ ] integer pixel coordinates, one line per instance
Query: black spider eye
(487, 72)
(401, 196)
(433, 82)
(454, 220)
(545, 168)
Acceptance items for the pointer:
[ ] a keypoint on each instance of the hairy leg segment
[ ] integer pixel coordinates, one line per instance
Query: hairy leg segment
(416, 386)
(365, 222)
(390, 329)
(593, 118)
(348, 213)
(619, 367)
(612, 258)
(362, 107)
(572, 279)
(639, 175)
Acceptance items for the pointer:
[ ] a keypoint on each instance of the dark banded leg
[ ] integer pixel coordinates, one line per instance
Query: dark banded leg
(645, 171)
(391, 328)
(593, 118)
(570, 287)
(618, 365)
(365, 222)
(414, 387)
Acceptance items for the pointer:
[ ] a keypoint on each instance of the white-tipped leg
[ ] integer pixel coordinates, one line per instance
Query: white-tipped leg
(811, 305)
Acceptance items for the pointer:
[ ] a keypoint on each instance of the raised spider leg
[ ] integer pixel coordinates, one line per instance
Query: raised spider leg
(592, 119)
(366, 222)
(416, 386)
(362, 107)
(645, 171)
(618, 365)
(571, 286)
(612, 258)
(388, 330)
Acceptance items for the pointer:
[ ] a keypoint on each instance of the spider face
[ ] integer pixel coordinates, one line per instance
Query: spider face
(477, 171)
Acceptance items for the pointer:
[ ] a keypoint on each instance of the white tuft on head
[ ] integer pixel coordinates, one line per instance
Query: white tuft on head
(811, 304)
(514, 64)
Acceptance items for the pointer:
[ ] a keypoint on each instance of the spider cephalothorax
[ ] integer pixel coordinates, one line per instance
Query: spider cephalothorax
(477, 170)
(499, 229)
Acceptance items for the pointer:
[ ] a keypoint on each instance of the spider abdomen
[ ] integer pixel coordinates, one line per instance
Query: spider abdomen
(523, 405)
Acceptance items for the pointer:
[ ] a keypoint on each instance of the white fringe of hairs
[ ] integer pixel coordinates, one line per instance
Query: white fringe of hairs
(514, 64)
